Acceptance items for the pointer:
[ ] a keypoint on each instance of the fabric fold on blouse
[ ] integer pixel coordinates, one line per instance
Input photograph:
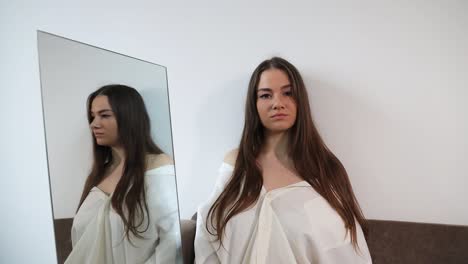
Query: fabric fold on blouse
(291, 224)
(98, 233)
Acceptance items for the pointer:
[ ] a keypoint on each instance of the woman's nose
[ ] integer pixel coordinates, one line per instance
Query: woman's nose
(95, 123)
(277, 103)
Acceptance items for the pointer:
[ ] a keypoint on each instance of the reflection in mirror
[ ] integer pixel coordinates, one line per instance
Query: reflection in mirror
(110, 157)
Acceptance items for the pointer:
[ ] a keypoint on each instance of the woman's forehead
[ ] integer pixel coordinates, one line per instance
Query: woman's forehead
(101, 102)
(273, 79)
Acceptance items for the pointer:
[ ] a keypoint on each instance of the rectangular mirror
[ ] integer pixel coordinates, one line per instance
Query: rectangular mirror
(110, 155)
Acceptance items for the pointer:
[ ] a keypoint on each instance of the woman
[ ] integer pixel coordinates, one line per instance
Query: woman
(128, 210)
(282, 196)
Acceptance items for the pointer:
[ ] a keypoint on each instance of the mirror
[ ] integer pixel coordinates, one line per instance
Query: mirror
(104, 140)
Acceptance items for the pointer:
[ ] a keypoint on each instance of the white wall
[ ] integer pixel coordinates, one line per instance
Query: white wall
(387, 81)
(70, 71)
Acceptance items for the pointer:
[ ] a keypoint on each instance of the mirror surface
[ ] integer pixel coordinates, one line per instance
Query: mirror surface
(70, 71)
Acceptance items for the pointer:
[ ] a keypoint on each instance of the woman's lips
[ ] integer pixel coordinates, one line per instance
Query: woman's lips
(279, 116)
(98, 134)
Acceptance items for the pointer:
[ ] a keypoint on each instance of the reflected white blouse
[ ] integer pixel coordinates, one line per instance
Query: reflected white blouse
(98, 234)
(292, 224)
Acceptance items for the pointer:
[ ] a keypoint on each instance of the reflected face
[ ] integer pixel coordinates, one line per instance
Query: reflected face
(275, 105)
(104, 123)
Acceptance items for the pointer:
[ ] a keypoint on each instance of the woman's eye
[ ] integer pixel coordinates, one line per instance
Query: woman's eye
(105, 116)
(264, 96)
(288, 93)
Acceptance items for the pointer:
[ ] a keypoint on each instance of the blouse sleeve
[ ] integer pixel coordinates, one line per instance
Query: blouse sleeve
(162, 203)
(205, 246)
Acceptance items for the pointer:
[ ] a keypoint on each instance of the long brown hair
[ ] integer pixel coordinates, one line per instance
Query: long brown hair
(312, 160)
(134, 135)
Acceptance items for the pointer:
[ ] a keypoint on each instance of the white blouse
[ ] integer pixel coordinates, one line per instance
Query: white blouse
(291, 224)
(98, 234)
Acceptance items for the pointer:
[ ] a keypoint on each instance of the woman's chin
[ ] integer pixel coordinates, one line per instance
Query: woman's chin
(278, 129)
(102, 143)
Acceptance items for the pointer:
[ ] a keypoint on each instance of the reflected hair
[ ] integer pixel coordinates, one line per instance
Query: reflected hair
(134, 136)
(311, 158)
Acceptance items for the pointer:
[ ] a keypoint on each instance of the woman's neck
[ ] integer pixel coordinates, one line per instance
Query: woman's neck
(118, 155)
(276, 144)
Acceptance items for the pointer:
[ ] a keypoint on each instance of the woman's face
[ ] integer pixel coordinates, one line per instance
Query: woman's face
(275, 105)
(104, 123)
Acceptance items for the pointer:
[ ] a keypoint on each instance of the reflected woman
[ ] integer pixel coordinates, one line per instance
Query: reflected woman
(128, 210)
(282, 196)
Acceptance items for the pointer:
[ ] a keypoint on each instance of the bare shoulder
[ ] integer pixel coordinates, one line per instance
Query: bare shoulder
(157, 160)
(231, 157)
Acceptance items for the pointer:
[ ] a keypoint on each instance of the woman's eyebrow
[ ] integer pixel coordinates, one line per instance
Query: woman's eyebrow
(264, 89)
(269, 89)
(101, 111)
(104, 110)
